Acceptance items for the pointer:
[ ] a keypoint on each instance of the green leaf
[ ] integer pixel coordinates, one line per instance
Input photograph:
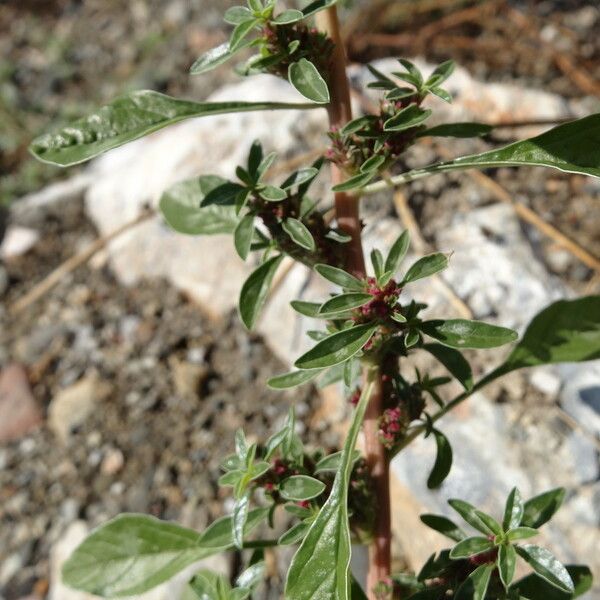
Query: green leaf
(540, 509)
(308, 309)
(441, 93)
(358, 123)
(288, 16)
(253, 575)
(271, 193)
(507, 560)
(333, 461)
(443, 461)
(476, 584)
(457, 130)
(454, 361)
(377, 262)
(471, 547)
(215, 57)
(521, 533)
(355, 182)
(301, 487)
(426, 266)
(294, 535)
(243, 235)
(180, 206)
(337, 348)
(206, 585)
(534, 587)
(320, 567)
(240, 516)
(461, 333)
(255, 289)
(412, 71)
(372, 164)
(293, 379)
(513, 511)
(224, 194)
(305, 77)
(490, 522)
(566, 331)
(441, 73)
(544, 563)
(573, 148)
(237, 14)
(299, 177)
(317, 6)
(436, 566)
(444, 526)
(129, 118)
(299, 233)
(340, 277)
(101, 564)
(408, 117)
(469, 513)
(344, 302)
(240, 32)
(265, 164)
(397, 252)
(255, 158)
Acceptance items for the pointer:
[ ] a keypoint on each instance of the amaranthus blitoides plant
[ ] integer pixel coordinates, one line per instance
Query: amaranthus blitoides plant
(369, 328)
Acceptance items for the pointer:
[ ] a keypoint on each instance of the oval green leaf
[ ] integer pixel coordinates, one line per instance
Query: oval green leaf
(397, 252)
(513, 510)
(544, 563)
(507, 561)
(476, 585)
(454, 361)
(340, 277)
(242, 236)
(540, 509)
(255, 289)
(426, 266)
(343, 302)
(444, 526)
(471, 547)
(443, 461)
(301, 487)
(101, 564)
(337, 348)
(305, 77)
(291, 380)
(299, 233)
(180, 206)
(461, 333)
(129, 118)
(469, 513)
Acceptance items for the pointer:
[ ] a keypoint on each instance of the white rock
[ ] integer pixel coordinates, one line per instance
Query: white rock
(18, 241)
(504, 279)
(545, 380)
(71, 406)
(580, 396)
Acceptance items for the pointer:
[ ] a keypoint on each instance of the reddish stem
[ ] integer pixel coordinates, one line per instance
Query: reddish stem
(348, 218)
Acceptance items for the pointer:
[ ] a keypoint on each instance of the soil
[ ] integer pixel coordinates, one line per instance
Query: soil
(154, 443)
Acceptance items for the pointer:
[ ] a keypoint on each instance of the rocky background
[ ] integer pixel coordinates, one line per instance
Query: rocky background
(120, 389)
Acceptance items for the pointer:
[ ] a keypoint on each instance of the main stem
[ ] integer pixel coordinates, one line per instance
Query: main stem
(348, 219)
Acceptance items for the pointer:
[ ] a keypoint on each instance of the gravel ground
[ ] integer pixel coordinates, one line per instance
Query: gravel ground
(168, 389)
